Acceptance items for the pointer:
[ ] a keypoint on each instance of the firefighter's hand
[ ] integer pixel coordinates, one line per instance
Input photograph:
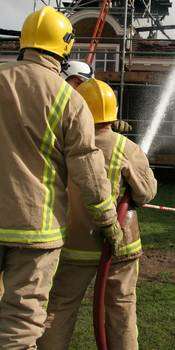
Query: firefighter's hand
(121, 126)
(114, 235)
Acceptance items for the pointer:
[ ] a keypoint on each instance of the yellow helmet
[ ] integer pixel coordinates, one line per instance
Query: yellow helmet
(101, 100)
(48, 30)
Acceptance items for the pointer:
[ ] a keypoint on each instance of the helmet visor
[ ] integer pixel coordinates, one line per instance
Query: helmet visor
(68, 37)
(88, 75)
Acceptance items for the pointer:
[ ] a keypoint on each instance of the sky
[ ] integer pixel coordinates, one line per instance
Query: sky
(13, 13)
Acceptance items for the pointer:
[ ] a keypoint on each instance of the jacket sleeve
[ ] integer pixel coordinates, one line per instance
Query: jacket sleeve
(85, 162)
(138, 174)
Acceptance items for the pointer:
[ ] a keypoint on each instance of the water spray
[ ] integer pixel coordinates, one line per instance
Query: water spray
(159, 113)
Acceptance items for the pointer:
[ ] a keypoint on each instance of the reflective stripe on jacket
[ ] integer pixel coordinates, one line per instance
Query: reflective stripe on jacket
(83, 242)
(46, 131)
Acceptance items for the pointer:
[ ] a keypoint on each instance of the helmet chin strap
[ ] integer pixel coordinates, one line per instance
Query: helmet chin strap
(64, 63)
(64, 66)
(42, 52)
(20, 55)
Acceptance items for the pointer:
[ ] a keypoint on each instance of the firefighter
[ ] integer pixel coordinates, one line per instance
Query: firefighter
(46, 132)
(126, 164)
(75, 73)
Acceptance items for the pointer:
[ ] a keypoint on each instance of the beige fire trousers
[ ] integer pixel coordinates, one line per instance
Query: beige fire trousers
(27, 279)
(69, 287)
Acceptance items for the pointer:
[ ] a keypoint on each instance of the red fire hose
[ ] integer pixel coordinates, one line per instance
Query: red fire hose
(100, 283)
(102, 274)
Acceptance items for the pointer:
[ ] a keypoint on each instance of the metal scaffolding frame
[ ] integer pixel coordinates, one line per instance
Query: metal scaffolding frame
(127, 52)
(123, 59)
(128, 8)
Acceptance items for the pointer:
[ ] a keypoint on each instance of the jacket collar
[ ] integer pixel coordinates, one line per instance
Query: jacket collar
(42, 59)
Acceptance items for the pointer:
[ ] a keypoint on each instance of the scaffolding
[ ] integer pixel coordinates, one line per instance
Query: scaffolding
(115, 58)
(127, 55)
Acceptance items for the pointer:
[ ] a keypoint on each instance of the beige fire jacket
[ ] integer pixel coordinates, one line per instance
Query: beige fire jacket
(125, 164)
(46, 132)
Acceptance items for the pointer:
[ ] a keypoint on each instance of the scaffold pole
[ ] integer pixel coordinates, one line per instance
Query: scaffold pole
(123, 60)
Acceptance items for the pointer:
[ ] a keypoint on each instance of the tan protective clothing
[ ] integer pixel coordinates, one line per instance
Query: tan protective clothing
(69, 287)
(125, 163)
(46, 131)
(80, 258)
(27, 281)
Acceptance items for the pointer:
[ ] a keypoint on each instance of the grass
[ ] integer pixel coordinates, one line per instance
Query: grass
(165, 276)
(155, 311)
(156, 316)
(157, 227)
(155, 300)
(83, 337)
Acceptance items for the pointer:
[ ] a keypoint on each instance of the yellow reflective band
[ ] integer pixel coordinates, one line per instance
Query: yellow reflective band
(83, 255)
(115, 164)
(131, 248)
(98, 209)
(113, 175)
(72, 254)
(32, 236)
(47, 147)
